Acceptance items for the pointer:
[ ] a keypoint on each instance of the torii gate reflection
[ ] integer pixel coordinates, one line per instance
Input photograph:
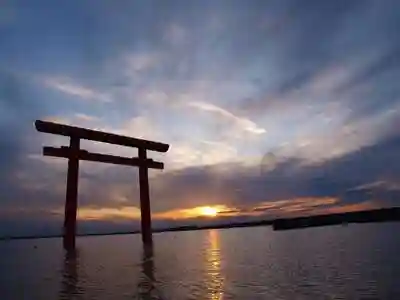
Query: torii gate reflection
(73, 153)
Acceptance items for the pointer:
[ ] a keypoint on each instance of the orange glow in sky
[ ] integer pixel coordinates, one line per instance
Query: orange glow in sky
(195, 212)
(208, 211)
(132, 212)
(292, 206)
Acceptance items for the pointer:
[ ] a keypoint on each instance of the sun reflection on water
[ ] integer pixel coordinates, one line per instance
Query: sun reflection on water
(215, 279)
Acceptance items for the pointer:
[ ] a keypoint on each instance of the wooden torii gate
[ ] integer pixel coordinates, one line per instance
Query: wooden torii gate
(73, 153)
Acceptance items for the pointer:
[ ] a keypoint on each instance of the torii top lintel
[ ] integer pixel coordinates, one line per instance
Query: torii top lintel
(94, 135)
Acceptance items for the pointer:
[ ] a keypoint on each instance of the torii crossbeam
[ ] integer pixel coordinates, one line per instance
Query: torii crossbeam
(73, 153)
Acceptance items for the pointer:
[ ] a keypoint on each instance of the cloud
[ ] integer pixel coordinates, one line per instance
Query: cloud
(388, 185)
(140, 127)
(129, 212)
(68, 87)
(200, 153)
(240, 185)
(85, 117)
(139, 62)
(242, 123)
(175, 34)
(17, 113)
(290, 188)
(76, 119)
(286, 208)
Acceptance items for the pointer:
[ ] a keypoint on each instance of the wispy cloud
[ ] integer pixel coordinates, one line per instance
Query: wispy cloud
(284, 207)
(138, 62)
(76, 119)
(381, 184)
(201, 153)
(85, 117)
(243, 123)
(175, 34)
(133, 212)
(68, 87)
(88, 213)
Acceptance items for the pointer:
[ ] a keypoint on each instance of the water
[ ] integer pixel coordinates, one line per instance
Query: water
(354, 262)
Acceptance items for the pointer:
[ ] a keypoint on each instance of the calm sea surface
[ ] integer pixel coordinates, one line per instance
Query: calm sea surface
(354, 262)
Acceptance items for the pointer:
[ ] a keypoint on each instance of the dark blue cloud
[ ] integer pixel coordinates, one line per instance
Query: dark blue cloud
(291, 179)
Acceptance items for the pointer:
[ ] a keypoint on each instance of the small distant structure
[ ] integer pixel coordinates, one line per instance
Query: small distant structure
(74, 154)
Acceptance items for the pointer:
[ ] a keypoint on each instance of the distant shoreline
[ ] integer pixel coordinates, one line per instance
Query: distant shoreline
(366, 216)
(172, 229)
(370, 216)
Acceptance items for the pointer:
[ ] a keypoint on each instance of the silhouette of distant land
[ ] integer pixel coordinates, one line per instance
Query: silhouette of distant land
(368, 216)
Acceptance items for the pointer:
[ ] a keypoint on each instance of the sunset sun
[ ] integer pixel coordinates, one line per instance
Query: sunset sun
(208, 211)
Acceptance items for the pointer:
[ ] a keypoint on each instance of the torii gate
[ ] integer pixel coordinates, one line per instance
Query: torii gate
(74, 154)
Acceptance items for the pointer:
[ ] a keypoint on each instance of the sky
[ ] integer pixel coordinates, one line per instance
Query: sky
(271, 108)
